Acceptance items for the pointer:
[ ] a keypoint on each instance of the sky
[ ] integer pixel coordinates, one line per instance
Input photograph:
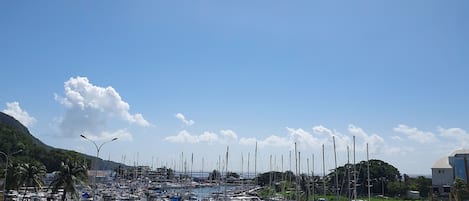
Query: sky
(180, 82)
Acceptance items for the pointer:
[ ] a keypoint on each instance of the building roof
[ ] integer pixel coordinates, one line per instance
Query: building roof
(459, 151)
(441, 163)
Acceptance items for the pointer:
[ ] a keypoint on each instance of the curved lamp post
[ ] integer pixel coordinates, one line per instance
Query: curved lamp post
(98, 148)
(6, 169)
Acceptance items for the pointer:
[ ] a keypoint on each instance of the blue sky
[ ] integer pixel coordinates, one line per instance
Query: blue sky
(172, 77)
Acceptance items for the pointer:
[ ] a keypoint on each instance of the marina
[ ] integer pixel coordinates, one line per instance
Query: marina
(143, 191)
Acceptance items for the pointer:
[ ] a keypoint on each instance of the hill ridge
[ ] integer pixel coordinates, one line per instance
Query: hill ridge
(15, 136)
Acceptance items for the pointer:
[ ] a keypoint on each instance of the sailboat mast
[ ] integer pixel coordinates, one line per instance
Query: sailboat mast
(270, 173)
(307, 176)
(299, 175)
(283, 178)
(255, 164)
(348, 173)
(219, 172)
(354, 172)
(249, 156)
(192, 165)
(335, 170)
(289, 175)
(323, 172)
(368, 171)
(242, 170)
(226, 169)
(312, 173)
(296, 175)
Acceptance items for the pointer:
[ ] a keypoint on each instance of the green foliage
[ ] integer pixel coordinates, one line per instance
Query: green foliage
(29, 158)
(380, 174)
(13, 140)
(214, 175)
(273, 177)
(14, 137)
(32, 174)
(266, 193)
(169, 173)
(70, 174)
(396, 189)
(423, 185)
(459, 188)
(232, 174)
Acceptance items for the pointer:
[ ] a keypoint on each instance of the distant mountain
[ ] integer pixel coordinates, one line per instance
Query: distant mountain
(8, 120)
(15, 136)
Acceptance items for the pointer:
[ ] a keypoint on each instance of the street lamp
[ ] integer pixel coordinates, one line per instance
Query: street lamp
(98, 148)
(6, 169)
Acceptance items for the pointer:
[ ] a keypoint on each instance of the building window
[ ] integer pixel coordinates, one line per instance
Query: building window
(446, 189)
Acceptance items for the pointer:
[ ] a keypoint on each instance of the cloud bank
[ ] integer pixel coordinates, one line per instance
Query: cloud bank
(225, 137)
(13, 109)
(415, 134)
(90, 109)
(313, 139)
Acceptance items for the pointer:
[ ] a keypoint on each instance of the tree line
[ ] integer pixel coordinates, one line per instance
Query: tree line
(385, 180)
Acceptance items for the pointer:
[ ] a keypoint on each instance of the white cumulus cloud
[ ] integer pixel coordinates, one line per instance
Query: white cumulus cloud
(185, 137)
(376, 143)
(457, 134)
(342, 141)
(183, 119)
(229, 136)
(225, 137)
(247, 141)
(90, 108)
(397, 138)
(272, 141)
(415, 134)
(275, 141)
(304, 139)
(13, 109)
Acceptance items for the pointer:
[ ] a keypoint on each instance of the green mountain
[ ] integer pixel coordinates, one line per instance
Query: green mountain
(14, 137)
(7, 120)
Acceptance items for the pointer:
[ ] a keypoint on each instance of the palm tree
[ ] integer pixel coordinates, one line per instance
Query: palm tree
(69, 175)
(459, 187)
(31, 175)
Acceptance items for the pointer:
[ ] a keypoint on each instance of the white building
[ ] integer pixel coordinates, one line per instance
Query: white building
(446, 169)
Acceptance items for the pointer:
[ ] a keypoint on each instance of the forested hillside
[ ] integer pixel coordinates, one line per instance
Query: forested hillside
(14, 137)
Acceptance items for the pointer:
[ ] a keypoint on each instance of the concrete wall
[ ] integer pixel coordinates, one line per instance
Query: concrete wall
(442, 176)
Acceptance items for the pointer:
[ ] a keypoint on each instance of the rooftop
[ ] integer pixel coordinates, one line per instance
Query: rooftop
(459, 151)
(441, 163)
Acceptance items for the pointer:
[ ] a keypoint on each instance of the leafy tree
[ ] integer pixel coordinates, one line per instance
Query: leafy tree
(419, 183)
(396, 188)
(268, 178)
(381, 173)
(459, 188)
(214, 175)
(170, 173)
(30, 175)
(232, 174)
(423, 185)
(69, 175)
